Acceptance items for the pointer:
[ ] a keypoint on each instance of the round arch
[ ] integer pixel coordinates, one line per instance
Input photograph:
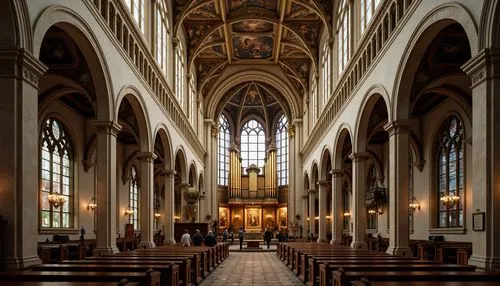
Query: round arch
(433, 23)
(181, 155)
(326, 157)
(371, 97)
(344, 132)
(489, 31)
(223, 87)
(15, 22)
(161, 130)
(193, 175)
(76, 27)
(140, 112)
(314, 175)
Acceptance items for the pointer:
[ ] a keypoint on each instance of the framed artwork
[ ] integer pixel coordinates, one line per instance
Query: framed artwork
(223, 217)
(478, 221)
(282, 215)
(253, 219)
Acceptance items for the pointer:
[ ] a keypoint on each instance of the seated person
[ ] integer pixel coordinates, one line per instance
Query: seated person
(197, 238)
(186, 239)
(210, 239)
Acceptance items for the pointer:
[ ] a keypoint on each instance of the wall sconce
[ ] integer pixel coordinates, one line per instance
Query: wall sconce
(269, 216)
(316, 218)
(237, 216)
(414, 204)
(56, 200)
(157, 215)
(307, 219)
(447, 199)
(378, 211)
(371, 211)
(92, 205)
(328, 217)
(129, 211)
(347, 214)
(177, 217)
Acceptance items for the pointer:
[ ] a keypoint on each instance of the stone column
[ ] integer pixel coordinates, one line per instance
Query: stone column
(19, 179)
(485, 77)
(312, 210)
(183, 187)
(358, 196)
(323, 188)
(106, 187)
(169, 206)
(295, 172)
(398, 186)
(210, 174)
(305, 214)
(337, 207)
(147, 205)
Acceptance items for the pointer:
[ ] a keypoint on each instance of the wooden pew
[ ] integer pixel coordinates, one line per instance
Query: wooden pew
(148, 278)
(365, 282)
(169, 271)
(124, 282)
(344, 278)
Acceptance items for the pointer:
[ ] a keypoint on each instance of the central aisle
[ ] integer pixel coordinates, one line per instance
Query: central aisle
(252, 268)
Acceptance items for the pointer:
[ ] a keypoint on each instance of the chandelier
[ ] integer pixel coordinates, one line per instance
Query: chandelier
(56, 200)
(447, 199)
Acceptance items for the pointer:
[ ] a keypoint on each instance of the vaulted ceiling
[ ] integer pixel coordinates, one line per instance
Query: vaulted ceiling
(224, 32)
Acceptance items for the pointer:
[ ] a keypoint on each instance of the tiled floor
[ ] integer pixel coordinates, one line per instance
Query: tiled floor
(247, 268)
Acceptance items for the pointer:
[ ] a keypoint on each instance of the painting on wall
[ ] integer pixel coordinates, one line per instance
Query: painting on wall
(282, 217)
(266, 4)
(253, 47)
(252, 26)
(253, 218)
(223, 217)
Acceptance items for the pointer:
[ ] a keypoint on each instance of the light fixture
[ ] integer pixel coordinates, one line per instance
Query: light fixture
(237, 216)
(316, 218)
(347, 214)
(157, 215)
(414, 204)
(328, 217)
(371, 211)
(129, 211)
(92, 205)
(56, 200)
(308, 219)
(447, 199)
(378, 211)
(269, 216)
(177, 217)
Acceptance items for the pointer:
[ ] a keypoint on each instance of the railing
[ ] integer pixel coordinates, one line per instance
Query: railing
(116, 20)
(388, 19)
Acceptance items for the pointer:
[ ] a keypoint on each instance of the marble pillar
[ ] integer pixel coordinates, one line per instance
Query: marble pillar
(169, 206)
(337, 207)
(323, 189)
(358, 196)
(312, 211)
(146, 194)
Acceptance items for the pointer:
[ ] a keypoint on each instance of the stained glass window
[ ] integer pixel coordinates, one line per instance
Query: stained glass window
(134, 198)
(253, 145)
(282, 151)
(224, 139)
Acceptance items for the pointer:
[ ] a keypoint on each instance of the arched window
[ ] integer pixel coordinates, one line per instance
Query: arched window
(253, 144)
(282, 150)
(133, 198)
(138, 10)
(326, 73)
(343, 37)
(367, 9)
(56, 176)
(370, 195)
(450, 160)
(179, 74)
(162, 35)
(224, 141)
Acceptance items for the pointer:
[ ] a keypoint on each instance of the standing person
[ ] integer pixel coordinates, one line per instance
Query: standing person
(268, 235)
(224, 235)
(231, 235)
(241, 235)
(82, 234)
(186, 238)
(197, 238)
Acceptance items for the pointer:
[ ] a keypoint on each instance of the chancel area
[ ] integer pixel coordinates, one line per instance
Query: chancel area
(344, 132)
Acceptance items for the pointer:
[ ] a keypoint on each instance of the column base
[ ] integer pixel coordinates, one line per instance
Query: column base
(485, 263)
(400, 251)
(321, 239)
(105, 250)
(146, 244)
(336, 241)
(359, 245)
(169, 241)
(14, 263)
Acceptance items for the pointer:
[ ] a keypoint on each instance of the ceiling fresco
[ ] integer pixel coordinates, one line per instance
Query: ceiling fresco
(231, 32)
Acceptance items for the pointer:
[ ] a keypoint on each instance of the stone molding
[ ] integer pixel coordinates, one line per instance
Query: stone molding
(480, 68)
(291, 131)
(21, 64)
(397, 127)
(359, 156)
(312, 191)
(147, 156)
(107, 127)
(337, 173)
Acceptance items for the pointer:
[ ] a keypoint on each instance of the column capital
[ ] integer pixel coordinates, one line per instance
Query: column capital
(169, 172)
(175, 42)
(147, 156)
(323, 182)
(358, 156)
(312, 191)
(21, 63)
(305, 197)
(184, 185)
(480, 67)
(397, 127)
(214, 129)
(107, 127)
(337, 173)
(291, 130)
